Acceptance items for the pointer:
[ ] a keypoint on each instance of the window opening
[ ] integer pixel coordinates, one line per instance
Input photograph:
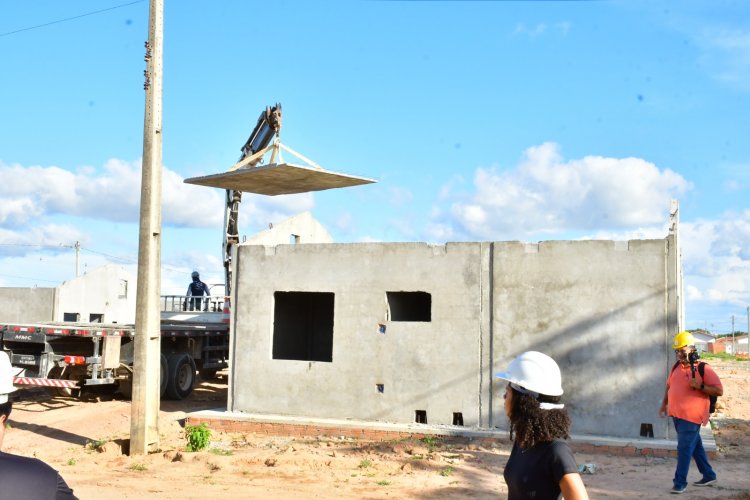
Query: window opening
(458, 418)
(71, 317)
(303, 326)
(409, 306)
(96, 318)
(420, 416)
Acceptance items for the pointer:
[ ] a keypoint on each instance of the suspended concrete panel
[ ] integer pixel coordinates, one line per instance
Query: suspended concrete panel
(279, 178)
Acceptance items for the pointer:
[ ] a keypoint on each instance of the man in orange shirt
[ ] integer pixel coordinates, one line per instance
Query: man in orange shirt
(687, 398)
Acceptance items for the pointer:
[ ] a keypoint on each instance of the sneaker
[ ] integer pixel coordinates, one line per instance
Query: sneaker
(678, 491)
(705, 482)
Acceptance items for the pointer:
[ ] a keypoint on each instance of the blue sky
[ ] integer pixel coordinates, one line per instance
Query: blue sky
(487, 120)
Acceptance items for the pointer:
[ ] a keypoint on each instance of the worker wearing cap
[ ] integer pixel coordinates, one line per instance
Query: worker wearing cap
(197, 289)
(686, 400)
(541, 464)
(23, 478)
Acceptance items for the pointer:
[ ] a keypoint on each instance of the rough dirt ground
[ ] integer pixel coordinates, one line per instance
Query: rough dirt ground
(61, 431)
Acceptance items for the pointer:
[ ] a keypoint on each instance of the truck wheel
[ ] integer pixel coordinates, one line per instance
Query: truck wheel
(208, 373)
(181, 379)
(67, 373)
(163, 375)
(125, 387)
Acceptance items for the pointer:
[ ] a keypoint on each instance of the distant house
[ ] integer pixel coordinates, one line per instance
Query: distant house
(103, 295)
(736, 345)
(703, 341)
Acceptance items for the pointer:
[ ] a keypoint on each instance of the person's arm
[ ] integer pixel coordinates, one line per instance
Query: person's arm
(63, 490)
(664, 401)
(710, 385)
(572, 487)
(208, 292)
(188, 294)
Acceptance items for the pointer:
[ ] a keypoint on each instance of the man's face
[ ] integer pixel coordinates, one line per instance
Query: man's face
(682, 353)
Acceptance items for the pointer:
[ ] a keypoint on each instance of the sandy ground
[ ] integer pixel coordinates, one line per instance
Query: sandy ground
(80, 438)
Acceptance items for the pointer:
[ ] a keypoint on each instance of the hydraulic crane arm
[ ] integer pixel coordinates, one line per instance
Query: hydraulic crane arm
(268, 126)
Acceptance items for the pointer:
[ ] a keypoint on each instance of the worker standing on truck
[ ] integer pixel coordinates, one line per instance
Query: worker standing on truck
(23, 477)
(197, 289)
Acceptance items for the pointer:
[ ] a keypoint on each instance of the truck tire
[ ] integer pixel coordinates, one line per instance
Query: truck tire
(163, 375)
(125, 386)
(181, 376)
(68, 373)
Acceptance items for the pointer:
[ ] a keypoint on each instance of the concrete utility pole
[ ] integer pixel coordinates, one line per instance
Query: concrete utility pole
(78, 255)
(144, 416)
(674, 228)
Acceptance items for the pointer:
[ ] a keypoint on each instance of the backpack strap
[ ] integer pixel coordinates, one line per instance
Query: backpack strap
(674, 367)
(701, 368)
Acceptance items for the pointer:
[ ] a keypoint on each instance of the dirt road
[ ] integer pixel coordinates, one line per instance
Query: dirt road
(81, 439)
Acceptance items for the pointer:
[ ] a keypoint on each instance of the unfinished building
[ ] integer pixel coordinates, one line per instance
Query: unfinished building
(412, 332)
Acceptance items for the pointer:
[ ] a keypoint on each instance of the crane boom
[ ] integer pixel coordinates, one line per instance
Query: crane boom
(268, 126)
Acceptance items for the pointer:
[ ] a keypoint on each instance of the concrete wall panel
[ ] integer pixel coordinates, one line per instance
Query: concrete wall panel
(27, 305)
(429, 366)
(603, 309)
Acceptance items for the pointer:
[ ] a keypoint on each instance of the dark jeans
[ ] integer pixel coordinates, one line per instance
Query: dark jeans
(690, 446)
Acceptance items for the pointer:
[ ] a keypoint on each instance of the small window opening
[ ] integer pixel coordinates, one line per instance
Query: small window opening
(303, 326)
(293, 239)
(74, 317)
(420, 416)
(123, 293)
(96, 318)
(409, 306)
(458, 418)
(381, 388)
(647, 430)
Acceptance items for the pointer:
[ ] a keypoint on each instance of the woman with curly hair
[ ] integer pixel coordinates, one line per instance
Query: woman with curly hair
(541, 465)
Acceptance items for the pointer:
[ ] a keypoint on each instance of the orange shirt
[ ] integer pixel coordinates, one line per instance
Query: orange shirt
(687, 403)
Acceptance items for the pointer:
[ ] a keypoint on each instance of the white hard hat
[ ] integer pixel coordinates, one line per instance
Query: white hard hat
(6, 377)
(535, 372)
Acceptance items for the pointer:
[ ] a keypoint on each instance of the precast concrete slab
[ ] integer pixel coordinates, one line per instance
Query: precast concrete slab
(279, 178)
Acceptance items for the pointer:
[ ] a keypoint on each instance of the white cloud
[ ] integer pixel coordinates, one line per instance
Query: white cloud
(716, 264)
(113, 194)
(546, 195)
(533, 31)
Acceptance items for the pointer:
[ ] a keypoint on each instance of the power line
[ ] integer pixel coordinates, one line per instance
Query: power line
(70, 18)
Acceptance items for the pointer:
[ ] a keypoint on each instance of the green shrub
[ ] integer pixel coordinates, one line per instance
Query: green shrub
(198, 437)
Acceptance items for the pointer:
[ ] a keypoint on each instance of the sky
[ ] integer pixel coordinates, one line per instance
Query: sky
(480, 120)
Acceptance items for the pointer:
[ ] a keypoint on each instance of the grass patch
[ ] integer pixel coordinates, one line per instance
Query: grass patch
(365, 464)
(383, 482)
(448, 471)
(430, 441)
(96, 444)
(723, 356)
(71, 461)
(138, 467)
(221, 452)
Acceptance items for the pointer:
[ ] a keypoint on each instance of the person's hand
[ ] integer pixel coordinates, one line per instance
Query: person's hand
(695, 383)
(663, 410)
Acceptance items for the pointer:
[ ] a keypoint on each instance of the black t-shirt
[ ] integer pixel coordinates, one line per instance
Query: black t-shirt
(29, 478)
(535, 473)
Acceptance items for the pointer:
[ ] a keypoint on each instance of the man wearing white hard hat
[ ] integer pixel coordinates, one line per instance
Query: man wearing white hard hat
(24, 478)
(541, 464)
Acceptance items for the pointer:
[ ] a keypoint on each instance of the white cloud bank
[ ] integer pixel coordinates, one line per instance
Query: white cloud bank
(31, 195)
(546, 196)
